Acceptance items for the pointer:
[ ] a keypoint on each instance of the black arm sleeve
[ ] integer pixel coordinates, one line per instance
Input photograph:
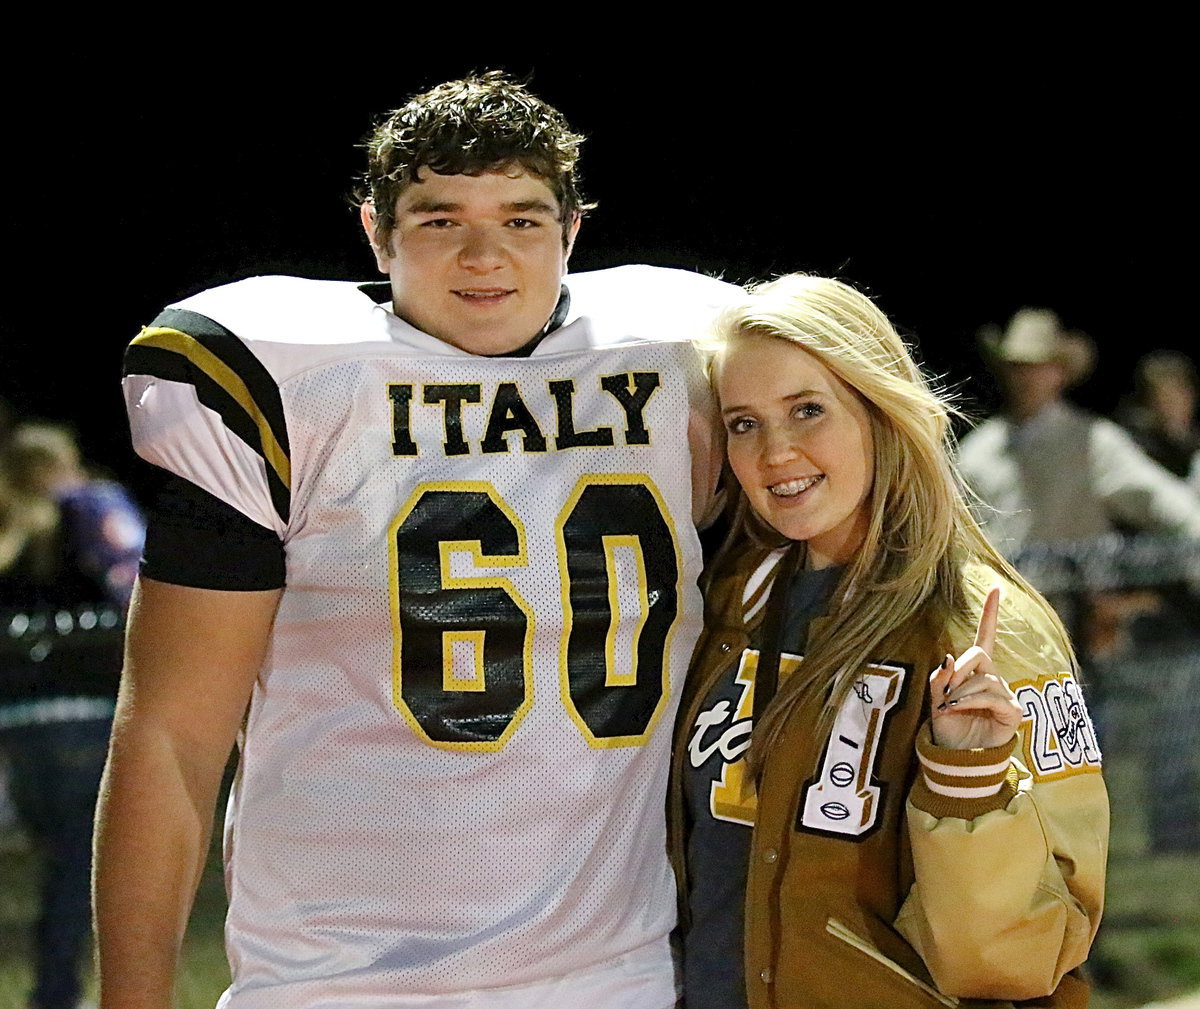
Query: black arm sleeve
(195, 539)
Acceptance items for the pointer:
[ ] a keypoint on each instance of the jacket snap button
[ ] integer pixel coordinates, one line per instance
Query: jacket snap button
(725, 646)
(765, 975)
(770, 855)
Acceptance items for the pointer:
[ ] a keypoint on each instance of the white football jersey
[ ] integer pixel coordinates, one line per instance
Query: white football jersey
(453, 769)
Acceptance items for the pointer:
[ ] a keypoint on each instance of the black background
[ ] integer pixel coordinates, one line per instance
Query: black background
(955, 182)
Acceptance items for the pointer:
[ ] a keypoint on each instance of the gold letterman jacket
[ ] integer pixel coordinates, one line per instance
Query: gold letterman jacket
(878, 878)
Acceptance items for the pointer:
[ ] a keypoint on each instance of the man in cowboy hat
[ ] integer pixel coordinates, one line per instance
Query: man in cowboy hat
(1057, 479)
(1050, 471)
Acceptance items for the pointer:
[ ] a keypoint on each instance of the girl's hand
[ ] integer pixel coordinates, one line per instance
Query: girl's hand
(972, 707)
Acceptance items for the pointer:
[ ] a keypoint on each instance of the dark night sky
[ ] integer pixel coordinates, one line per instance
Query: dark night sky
(954, 191)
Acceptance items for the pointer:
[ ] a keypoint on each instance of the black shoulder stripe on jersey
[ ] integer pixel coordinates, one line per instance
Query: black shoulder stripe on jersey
(185, 347)
(195, 539)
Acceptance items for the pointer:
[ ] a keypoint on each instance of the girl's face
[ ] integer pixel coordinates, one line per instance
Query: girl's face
(800, 444)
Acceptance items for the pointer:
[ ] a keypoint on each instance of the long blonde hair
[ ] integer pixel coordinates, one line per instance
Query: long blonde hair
(921, 534)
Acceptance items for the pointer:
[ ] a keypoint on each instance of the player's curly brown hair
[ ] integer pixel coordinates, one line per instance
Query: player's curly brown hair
(482, 123)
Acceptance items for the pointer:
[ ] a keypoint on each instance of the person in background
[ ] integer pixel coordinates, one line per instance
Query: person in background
(886, 790)
(1162, 416)
(1163, 642)
(1109, 534)
(1048, 471)
(69, 546)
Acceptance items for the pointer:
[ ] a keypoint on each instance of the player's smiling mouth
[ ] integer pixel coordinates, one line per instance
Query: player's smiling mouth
(794, 488)
(484, 295)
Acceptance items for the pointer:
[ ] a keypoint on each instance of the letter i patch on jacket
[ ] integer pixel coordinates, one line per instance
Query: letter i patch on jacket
(846, 799)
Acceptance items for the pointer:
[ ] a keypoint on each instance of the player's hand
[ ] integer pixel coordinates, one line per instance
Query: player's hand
(972, 706)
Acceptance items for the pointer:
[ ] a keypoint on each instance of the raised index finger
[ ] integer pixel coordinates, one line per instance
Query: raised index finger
(985, 637)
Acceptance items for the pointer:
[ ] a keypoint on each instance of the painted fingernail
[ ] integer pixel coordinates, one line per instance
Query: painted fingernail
(948, 704)
(947, 662)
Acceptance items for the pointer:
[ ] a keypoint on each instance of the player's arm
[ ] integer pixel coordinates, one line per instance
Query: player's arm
(192, 656)
(706, 443)
(207, 413)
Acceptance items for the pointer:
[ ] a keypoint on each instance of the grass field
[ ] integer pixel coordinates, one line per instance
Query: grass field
(1148, 949)
(1149, 942)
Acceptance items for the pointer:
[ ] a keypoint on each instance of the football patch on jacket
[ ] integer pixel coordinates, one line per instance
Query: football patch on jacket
(846, 799)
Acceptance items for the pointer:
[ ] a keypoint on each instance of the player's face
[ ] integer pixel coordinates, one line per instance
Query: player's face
(800, 445)
(477, 261)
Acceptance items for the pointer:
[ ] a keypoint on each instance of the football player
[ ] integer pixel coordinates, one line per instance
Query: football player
(426, 550)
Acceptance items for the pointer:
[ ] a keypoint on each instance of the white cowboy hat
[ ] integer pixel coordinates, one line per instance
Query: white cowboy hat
(1036, 336)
